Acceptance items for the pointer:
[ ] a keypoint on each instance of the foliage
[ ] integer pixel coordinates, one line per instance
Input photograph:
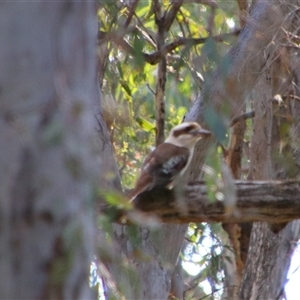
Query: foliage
(130, 81)
(127, 46)
(204, 255)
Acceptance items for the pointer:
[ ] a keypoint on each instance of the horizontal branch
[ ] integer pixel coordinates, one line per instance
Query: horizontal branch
(266, 201)
(156, 56)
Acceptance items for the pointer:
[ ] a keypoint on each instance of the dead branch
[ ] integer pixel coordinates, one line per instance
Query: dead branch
(257, 201)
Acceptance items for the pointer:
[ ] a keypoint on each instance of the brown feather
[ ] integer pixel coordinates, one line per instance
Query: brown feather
(161, 167)
(169, 159)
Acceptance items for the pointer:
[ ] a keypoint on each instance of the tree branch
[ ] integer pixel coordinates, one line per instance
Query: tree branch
(244, 116)
(257, 201)
(171, 14)
(131, 10)
(156, 56)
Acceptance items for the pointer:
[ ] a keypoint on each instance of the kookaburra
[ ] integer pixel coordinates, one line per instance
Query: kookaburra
(169, 159)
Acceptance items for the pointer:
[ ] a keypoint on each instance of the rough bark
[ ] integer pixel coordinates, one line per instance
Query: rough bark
(269, 258)
(135, 259)
(234, 154)
(269, 255)
(246, 62)
(48, 162)
(261, 142)
(224, 93)
(269, 201)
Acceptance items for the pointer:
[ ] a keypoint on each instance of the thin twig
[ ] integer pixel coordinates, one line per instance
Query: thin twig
(170, 15)
(131, 12)
(156, 56)
(247, 115)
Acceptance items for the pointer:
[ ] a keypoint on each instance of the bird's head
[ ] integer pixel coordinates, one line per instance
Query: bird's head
(186, 134)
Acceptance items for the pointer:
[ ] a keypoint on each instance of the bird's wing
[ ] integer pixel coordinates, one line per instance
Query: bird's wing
(161, 167)
(166, 161)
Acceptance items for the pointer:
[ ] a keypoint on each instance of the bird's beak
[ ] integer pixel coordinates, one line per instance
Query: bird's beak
(202, 132)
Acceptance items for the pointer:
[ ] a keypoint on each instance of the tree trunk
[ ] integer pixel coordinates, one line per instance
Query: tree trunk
(140, 268)
(140, 260)
(269, 258)
(247, 60)
(269, 255)
(49, 165)
(143, 269)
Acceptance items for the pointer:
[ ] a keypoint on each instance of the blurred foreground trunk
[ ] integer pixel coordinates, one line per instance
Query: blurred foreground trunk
(48, 163)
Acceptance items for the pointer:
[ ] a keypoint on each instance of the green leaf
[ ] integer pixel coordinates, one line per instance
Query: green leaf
(116, 199)
(146, 125)
(125, 86)
(143, 11)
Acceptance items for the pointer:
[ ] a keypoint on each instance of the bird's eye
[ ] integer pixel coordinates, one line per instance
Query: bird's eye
(189, 128)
